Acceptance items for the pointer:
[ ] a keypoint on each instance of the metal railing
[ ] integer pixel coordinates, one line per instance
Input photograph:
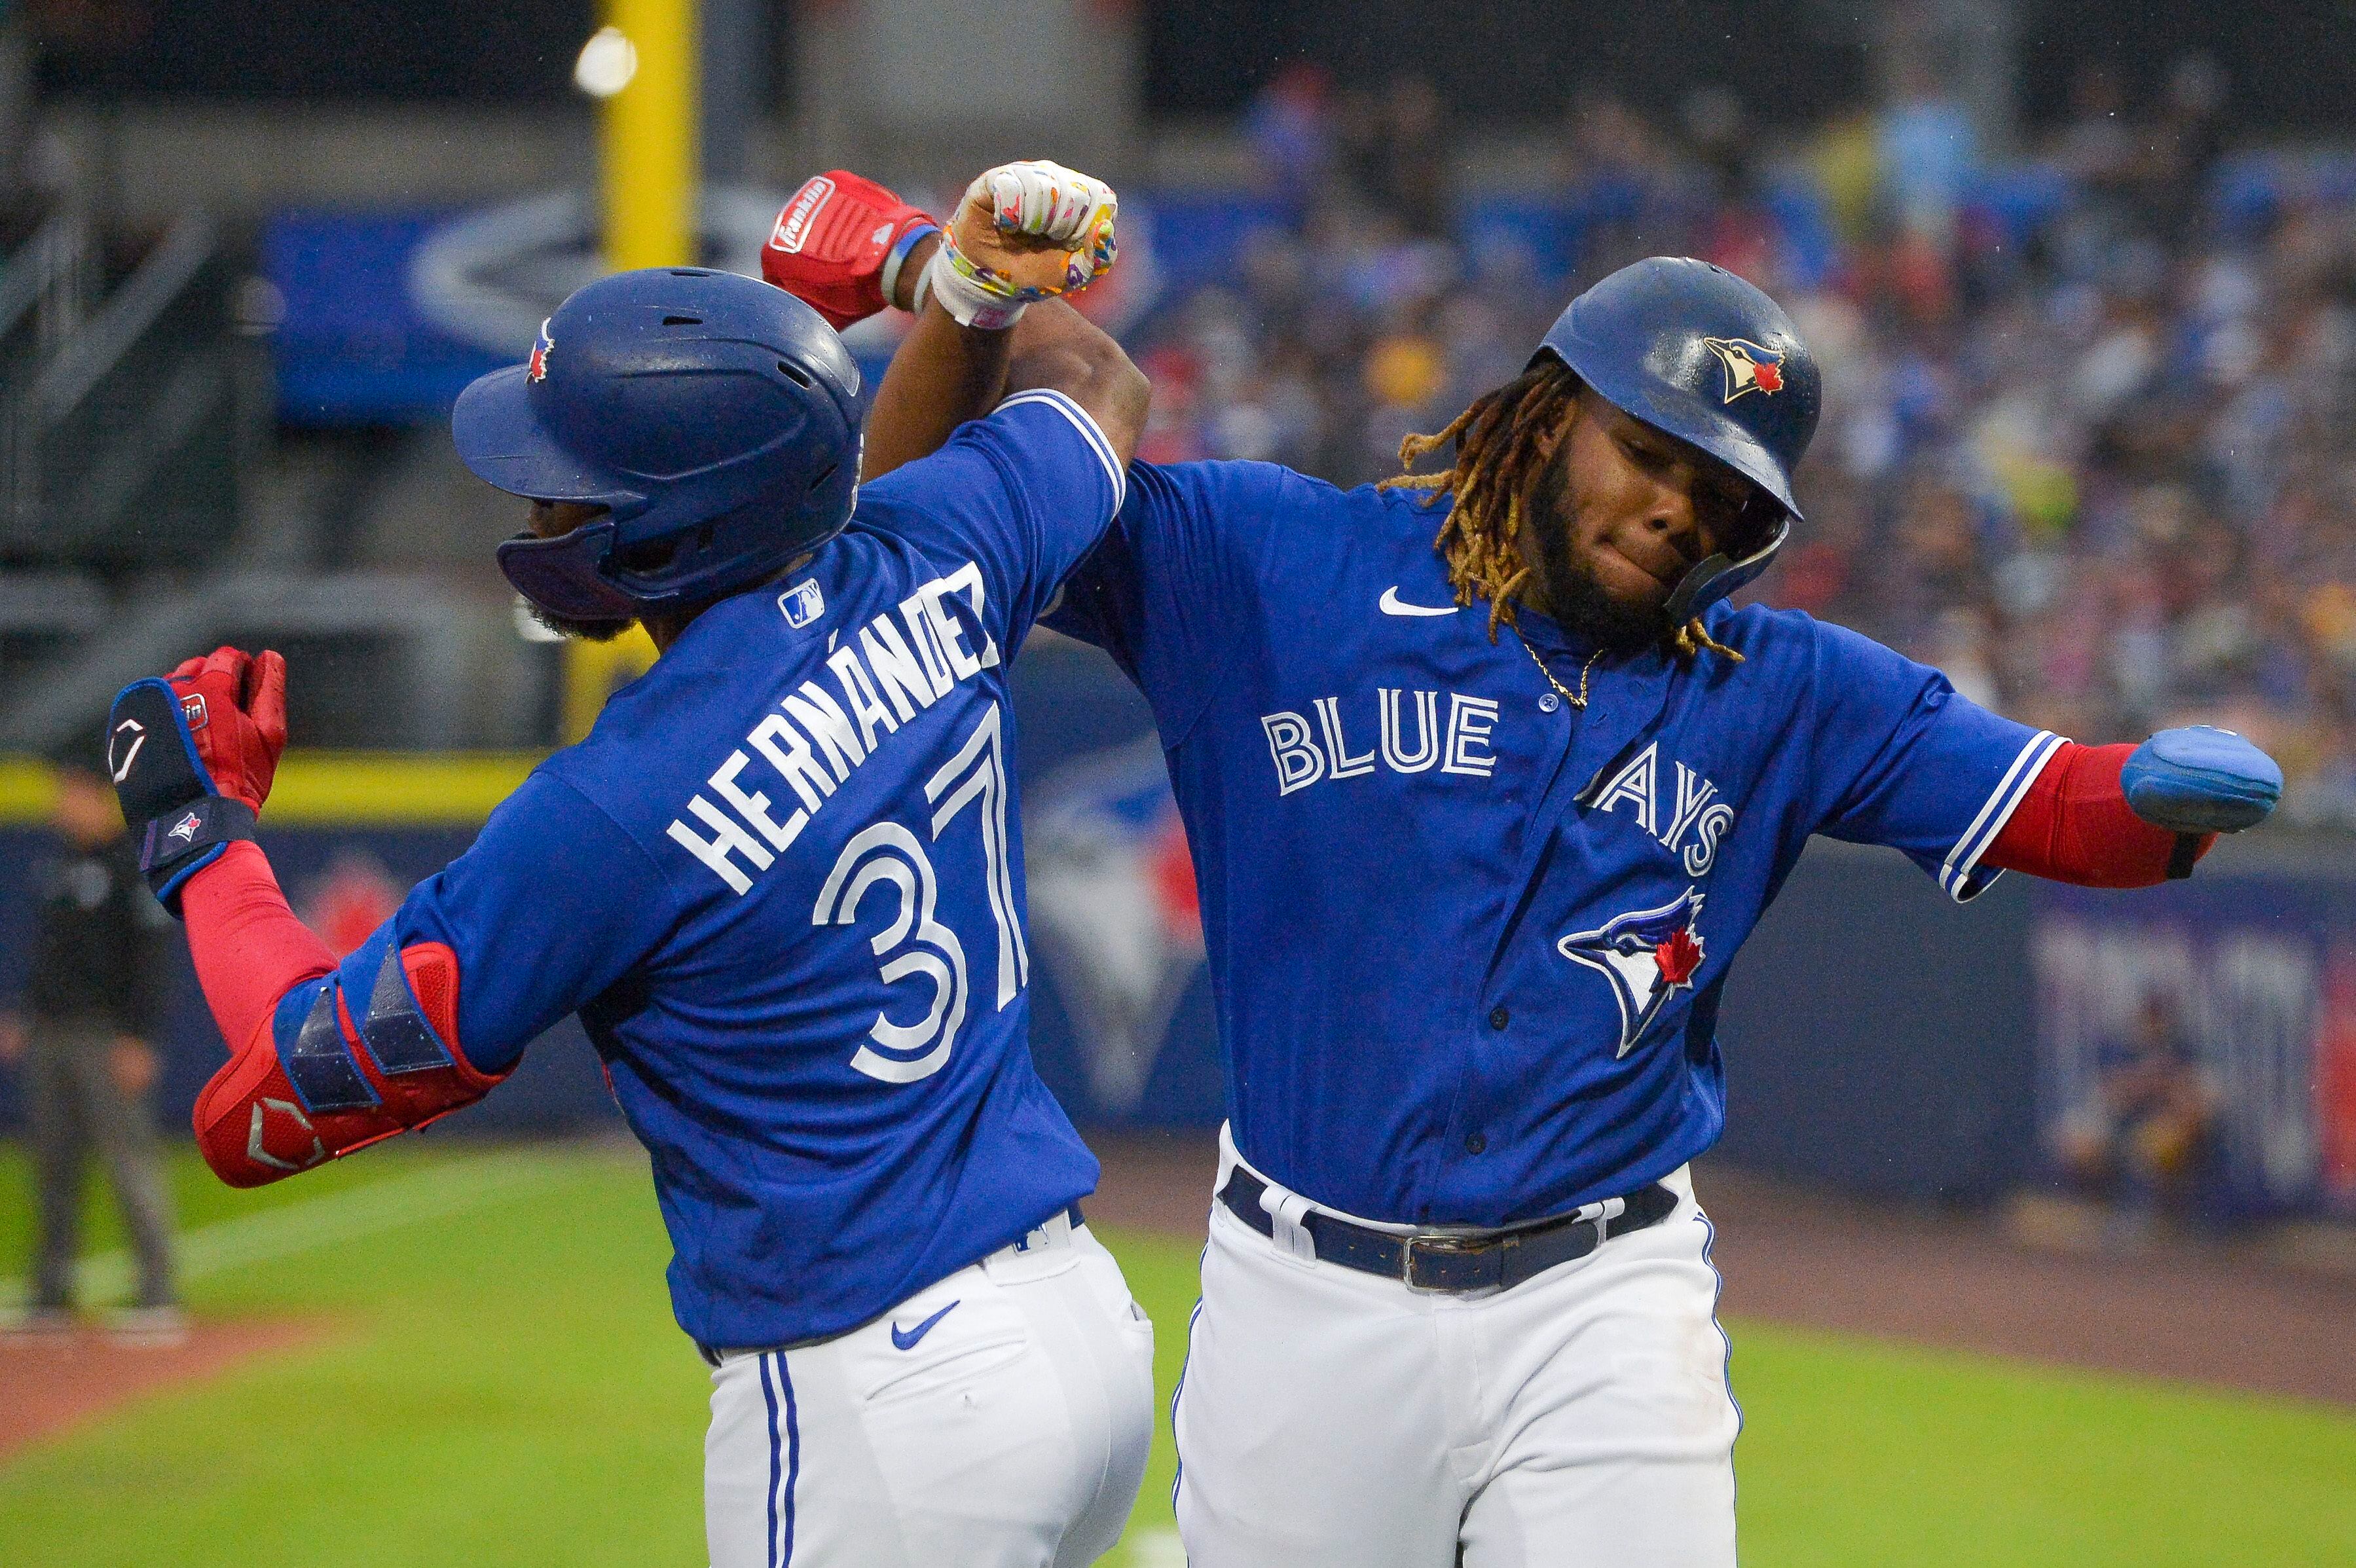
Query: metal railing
(45, 289)
(400, 644)
(48, 279)
(134, 400)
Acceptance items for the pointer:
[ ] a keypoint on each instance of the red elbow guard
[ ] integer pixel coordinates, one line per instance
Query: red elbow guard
(331, 1072)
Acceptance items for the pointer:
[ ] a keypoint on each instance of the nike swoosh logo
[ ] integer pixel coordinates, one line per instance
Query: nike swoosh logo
(1392, 605)
(905, 1339)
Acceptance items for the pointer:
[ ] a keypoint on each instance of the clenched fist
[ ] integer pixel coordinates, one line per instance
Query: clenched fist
(839, 244)
(1025, 232)
(192, 755)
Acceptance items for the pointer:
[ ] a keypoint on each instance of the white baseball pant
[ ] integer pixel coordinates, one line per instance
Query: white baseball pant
(998, 1419)
(1582, 1419)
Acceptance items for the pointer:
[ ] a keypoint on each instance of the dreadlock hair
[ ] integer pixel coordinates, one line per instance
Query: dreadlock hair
(1503, 442)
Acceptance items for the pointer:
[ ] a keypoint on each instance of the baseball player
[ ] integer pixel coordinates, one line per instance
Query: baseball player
(1486, 782)
(781, 883)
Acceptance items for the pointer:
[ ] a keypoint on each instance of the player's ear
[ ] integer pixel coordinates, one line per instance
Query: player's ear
(1576, 412)
(1550, 476)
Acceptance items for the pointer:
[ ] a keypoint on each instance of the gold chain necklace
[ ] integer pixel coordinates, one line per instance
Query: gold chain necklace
(1576, 698)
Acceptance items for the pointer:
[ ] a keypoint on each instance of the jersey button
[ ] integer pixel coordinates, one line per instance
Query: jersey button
(1476, 1143)
(1499, 1018)
(1548, 702)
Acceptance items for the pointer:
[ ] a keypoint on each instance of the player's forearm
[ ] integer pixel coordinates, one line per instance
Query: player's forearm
(249, 947)
(904, 293)
(945, 374)
(1058, 348)
(942, 376)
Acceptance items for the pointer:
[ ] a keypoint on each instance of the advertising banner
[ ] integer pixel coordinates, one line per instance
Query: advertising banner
(2200, 1040)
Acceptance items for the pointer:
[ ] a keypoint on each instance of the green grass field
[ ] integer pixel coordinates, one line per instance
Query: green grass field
(507, 1388)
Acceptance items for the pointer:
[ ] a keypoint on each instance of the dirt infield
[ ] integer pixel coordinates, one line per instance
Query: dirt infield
(2185, 1311)
(49, 1383)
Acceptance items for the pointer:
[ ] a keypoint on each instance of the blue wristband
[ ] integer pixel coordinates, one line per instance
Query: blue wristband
(180, 843)
(889, 277)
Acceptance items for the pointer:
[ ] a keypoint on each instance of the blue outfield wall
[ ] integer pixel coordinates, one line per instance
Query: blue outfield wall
(1878, 1038)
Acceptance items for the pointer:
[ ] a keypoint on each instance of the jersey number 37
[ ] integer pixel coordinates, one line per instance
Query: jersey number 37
(914, 943)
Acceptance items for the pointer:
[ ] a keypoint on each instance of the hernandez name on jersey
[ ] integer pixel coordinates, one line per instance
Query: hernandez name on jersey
(781, 882)
(1469, 940)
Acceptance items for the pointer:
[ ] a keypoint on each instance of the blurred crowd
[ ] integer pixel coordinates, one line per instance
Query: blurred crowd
(2090, 435)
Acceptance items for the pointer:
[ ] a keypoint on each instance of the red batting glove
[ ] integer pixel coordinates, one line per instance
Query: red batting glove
(839, 245)
(235, 703)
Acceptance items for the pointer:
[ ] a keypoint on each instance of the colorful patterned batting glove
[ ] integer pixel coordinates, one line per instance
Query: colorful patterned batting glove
(1025, 232)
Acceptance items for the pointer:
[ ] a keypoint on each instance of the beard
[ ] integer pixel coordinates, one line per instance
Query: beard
(1572, 594)
(1581, 604)
(581, 627)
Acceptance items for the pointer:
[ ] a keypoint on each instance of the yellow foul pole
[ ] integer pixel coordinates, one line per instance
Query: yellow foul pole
(648, 139)
(646, 153)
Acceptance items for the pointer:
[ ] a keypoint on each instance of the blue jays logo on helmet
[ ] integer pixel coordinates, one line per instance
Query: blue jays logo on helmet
(1649, 955)
(1114, 908)
(1750, 367)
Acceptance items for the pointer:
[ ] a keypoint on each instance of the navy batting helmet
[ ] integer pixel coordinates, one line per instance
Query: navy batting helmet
(1694, 351)
(709, 413)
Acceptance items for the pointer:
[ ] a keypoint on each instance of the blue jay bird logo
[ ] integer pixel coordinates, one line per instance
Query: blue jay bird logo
(1114, 909)
(1649, 955)
(1750, 367)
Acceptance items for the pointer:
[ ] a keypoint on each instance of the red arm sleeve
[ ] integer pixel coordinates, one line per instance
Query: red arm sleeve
(2075, 826)
(249, 948)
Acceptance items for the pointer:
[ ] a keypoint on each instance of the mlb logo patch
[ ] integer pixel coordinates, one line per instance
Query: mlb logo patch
(536, 369)
(192, 708)
(802, 604)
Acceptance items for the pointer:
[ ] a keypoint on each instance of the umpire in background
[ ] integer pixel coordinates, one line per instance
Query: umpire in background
(84, 1054)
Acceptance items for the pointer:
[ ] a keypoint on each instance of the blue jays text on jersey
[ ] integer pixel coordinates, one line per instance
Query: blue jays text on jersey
(781, 882)
(1467, 940)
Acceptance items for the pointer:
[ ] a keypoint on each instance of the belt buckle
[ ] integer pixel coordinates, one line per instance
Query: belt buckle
(1442, 1243)
(1601, 1226)
(1608, 1213)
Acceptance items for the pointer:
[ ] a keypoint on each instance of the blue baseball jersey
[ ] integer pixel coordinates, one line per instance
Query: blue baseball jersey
(781, 883)
(1466, 940)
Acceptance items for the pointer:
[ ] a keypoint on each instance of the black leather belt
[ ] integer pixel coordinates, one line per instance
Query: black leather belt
(1451, 1263)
